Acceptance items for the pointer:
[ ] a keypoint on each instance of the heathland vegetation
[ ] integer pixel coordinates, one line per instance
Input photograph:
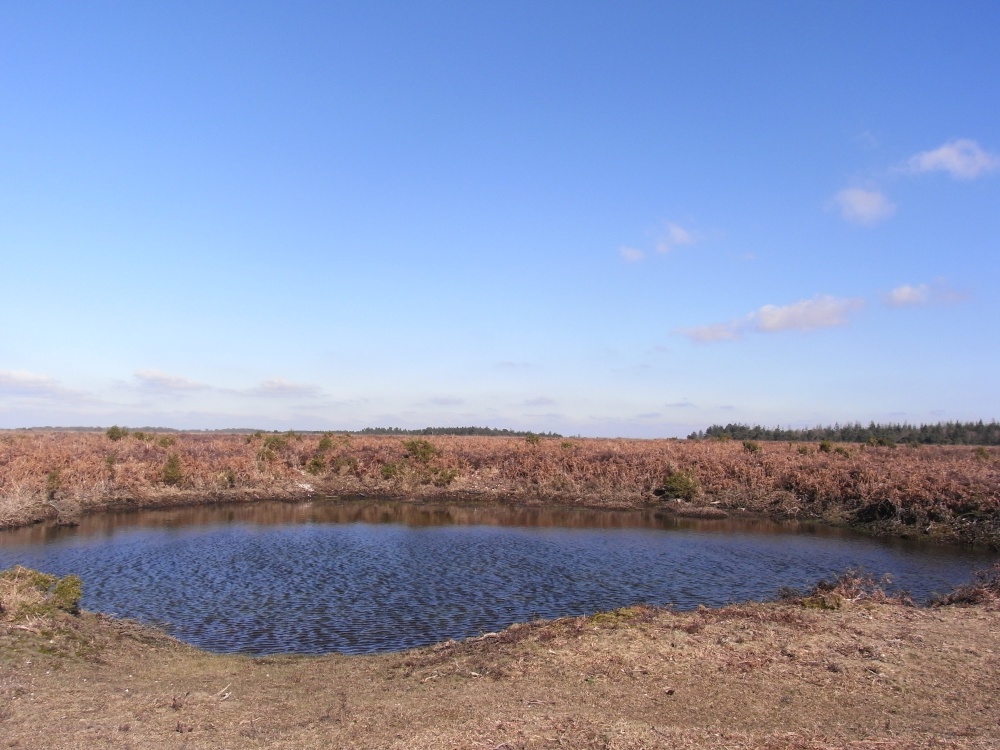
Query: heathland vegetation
(948, 492)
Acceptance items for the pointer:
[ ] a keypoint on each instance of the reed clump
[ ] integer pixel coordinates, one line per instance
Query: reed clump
(950, 492)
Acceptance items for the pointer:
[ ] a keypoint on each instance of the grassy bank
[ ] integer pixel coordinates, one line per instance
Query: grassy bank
(842, 666)
(949, 492)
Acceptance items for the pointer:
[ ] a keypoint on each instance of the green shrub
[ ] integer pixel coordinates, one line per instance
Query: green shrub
(316, 465)
(325, 443)
(825, 446)
(390, 470)
(172, 473)
(679, 484)
(421, 450)
(166, 441)
(532, 439)
(114, 432)
(275, 442)
(749, 446)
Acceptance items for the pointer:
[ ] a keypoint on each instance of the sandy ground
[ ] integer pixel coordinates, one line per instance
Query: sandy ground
(755, 676)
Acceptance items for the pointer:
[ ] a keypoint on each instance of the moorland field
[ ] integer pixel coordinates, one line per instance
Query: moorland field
(841, 666)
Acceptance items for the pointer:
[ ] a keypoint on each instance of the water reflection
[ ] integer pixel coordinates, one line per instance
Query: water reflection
(371, 576)
(408, 514)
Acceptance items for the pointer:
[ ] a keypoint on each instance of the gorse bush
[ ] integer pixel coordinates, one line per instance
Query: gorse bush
(114, 432)
(172, 474)
(421, 450)
(680, 485)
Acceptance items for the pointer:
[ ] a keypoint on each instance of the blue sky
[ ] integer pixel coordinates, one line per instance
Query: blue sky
(604, 219)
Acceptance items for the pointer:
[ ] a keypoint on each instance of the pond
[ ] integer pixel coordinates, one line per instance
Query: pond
(360, 577)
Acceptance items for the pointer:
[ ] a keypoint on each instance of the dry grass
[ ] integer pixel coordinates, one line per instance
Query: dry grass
(865, 675)
(951, 492)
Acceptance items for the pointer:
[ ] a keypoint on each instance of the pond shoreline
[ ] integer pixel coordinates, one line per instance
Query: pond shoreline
(843, 667)
(948, 493)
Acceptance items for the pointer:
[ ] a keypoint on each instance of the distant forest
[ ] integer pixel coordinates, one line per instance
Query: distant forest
(943, 433)
(455, 431)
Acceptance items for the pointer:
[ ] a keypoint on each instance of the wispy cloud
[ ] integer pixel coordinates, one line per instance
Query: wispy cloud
(672, 237)
(280, 387)
(631, 254)
(162, 381)
(24, 383)
(920, 295)
(713, 332)
(685, 404)
(540, 401)
(963, 159)
(908, 296)
(675, 236)
(861, 206)
(822, 311)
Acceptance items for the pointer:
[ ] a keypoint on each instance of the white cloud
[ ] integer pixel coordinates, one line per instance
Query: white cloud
(447, 401)
(674, 237)
(282, 387)
(631, 254)
(822, 311)
(963, 159)
(936, 293)
(24, 383)
(166, 382)
(861, 206)
(908, 296)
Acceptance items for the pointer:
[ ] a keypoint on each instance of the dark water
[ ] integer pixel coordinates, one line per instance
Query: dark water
(363, 577)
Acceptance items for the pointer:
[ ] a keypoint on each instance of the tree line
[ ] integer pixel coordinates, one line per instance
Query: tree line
(942, 433)
(478, 431)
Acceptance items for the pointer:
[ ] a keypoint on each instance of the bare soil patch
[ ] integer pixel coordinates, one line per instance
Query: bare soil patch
(845, 671)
